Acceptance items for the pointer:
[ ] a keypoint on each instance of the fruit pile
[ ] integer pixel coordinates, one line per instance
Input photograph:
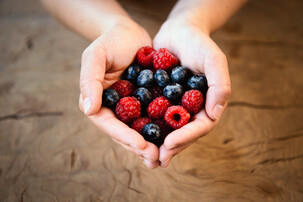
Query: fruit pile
(156, 95)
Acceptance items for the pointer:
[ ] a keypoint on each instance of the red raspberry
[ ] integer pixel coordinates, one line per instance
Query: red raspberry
(156, 91)
(192, 101)
(139, 123)
(156, 109)
(145, 56)
(165, 129)
(128, 109)
(176, 116)
(124, 88)
(163, 59)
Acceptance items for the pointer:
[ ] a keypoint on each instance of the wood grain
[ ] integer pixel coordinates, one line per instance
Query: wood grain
(49, 151)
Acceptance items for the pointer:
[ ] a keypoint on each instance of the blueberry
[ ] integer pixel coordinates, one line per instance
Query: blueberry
(198, 82)
(180, 74)
(143, 95)
(132, 72)
(152, 133)
(110, 98)
(161, 77)
(173, 92)
(145, 78)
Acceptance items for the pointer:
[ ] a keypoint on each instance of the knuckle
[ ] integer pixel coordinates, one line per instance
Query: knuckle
(83, 83)
(226, 91)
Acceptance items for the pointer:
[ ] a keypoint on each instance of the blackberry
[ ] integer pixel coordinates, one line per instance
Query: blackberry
(152, 133)
(143, 95)
(132, 72)
(110, 98)
(198, 82)
(180, 74)
(161, 78)
(173, 92)
(145, 78)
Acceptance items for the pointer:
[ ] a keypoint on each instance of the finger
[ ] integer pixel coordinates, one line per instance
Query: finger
(149, 153)
(199, 126)
(91, 77)
(108, 123)
(167, 154)
(150, 164)
(216, 72)
(81, 102)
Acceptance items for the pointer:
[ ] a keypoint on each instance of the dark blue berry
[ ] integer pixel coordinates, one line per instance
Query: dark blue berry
(161, 77)
(152, 133)
(132, 72)
(110, 98)
(145, 78)
(143, 95)
(173, 92)
(198, 82)
(180, 74)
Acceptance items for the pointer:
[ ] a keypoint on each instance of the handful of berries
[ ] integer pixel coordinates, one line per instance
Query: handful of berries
(156, 95)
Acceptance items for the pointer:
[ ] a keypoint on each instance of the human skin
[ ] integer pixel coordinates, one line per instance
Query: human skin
(115, 40)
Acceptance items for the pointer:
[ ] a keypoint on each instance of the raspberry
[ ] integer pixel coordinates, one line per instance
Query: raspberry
(165, 129)
(163, 59)
(123, 87)
(139, 123)
(156, 91)
(156, 109)
(128, 109)
(145, 56)
(192, 101)
(176, 116)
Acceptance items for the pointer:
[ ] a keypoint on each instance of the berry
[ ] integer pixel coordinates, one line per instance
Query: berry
(163, 59)
(128, 109)
(152, 133)
(198, 82)
(145, 78)
(161, 77)
(139, 123)
(110, 98)
(124, 88)
(173, 92)
(165, 129)
(176, 116)
(156, 109)
(180, 74)
(192, 101)
(156, 91)
(145, 56)
(132, 72)
(143, 95)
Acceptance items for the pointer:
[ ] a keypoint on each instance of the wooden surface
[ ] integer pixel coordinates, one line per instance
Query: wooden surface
(49, 151)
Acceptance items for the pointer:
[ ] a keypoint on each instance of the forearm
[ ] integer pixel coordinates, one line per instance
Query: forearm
(208, 15)
(89, 18)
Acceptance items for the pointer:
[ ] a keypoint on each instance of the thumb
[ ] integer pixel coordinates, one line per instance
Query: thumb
(216, 72)
(91, 78)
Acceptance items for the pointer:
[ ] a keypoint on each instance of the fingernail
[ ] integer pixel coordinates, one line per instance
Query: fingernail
(146, 162)
(87, 104)
(145, 156)
(218, 110)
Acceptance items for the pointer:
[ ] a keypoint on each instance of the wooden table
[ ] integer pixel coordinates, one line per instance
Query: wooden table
(49, 151)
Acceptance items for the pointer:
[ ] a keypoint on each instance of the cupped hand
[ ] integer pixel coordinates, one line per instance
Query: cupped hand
(197, 51)
(103, 63)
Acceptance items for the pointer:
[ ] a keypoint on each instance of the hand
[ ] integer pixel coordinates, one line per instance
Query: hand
(198, 52)
(103, 62)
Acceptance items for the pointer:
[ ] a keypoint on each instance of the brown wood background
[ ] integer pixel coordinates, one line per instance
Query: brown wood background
(49, 151)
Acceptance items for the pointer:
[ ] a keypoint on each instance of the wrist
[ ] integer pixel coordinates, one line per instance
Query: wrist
(187, 20)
